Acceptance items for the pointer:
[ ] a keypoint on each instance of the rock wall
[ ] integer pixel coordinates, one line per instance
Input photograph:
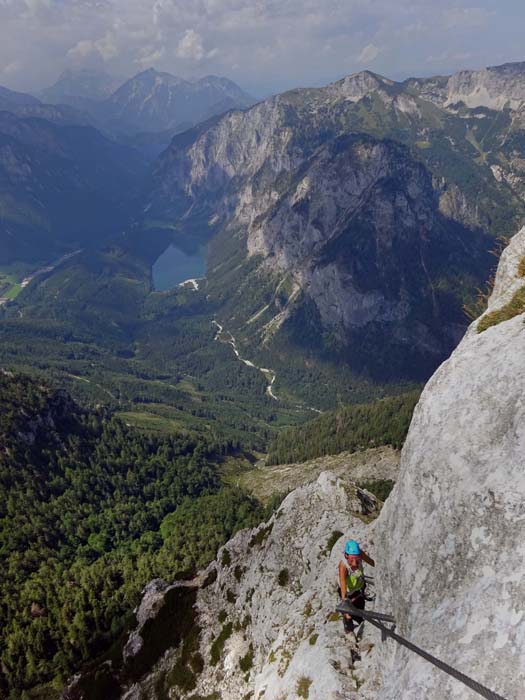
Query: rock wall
(496, 87)
(451, 538)
(259, 622)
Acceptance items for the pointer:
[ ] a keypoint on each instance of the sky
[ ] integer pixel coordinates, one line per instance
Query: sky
(264, 45)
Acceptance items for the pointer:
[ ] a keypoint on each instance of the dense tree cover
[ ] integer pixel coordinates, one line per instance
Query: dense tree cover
(350, 428)
(90, 510)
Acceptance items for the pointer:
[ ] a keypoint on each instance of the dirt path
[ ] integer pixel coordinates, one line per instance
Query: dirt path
(269, 374)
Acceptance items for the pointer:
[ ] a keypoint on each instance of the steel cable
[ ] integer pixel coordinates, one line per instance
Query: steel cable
(376, 619)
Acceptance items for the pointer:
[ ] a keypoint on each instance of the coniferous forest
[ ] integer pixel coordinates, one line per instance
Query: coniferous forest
(347, 429)
(90, 511)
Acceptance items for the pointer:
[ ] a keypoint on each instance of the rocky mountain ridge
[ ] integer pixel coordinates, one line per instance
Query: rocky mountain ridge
(496, 87)
(361, 201)
(25, 105)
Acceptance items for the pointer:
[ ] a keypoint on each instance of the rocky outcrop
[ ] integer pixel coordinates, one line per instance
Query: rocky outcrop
(262, 622)
(376, 463)
(496, 87)
(454, 579)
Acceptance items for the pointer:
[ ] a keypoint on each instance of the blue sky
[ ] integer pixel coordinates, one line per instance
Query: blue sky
(264, 45)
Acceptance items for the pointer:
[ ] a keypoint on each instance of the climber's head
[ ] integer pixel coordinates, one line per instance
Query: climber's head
(352, 548)
(353, 554)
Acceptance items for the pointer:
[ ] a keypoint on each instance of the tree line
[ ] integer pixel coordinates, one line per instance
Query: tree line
(347, 429)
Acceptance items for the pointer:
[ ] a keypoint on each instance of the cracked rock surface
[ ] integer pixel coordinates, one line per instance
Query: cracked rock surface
(451, 537)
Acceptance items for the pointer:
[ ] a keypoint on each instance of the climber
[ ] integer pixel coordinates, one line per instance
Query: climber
(352, 582)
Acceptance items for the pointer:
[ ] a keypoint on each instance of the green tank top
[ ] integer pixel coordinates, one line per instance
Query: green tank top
(355, 580)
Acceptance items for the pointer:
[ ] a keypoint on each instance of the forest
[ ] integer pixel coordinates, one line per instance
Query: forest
(90, 511)
(347, 429)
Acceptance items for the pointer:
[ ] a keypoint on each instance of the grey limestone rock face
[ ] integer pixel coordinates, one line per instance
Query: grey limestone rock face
(266, 614)
(451, 537)
(495, 87)
(508, 280)
(153, 597)
(279, 592)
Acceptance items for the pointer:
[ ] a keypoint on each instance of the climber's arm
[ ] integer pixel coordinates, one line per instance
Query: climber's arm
(367, 559)
(342, 580)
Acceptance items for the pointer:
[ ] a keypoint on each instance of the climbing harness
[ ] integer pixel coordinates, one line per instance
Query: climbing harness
(377, 619)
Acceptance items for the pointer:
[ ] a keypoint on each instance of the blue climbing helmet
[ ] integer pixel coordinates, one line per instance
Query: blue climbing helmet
(352, 548)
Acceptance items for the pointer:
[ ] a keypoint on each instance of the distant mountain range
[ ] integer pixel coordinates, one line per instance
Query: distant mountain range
(149, 102)
(60, 183)
(352, 221)
(362, 213)
(82, 84)
(153, 101)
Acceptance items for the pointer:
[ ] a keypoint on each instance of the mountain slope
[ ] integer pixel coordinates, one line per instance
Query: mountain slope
(80, 87)
(10, 98)
(83, 499)
(362, 216)
(448, 546)
(60, 186)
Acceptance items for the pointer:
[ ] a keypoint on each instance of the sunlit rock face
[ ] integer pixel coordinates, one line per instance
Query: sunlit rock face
(260, 621)
(451, 538)
(496, 87)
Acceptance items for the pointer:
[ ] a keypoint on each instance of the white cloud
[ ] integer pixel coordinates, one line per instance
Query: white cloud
(12, 67)
(105, 48)
(150, 56)
(263, 44)
(368, 54)
(190, 46)
(467, 17)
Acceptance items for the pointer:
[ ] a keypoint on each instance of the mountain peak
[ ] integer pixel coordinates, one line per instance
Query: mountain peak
(356, 85)
(155, 100)
(152, 74)
(83, 83)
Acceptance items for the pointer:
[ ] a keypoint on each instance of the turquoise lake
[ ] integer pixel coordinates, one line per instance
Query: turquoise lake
(175, 266)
